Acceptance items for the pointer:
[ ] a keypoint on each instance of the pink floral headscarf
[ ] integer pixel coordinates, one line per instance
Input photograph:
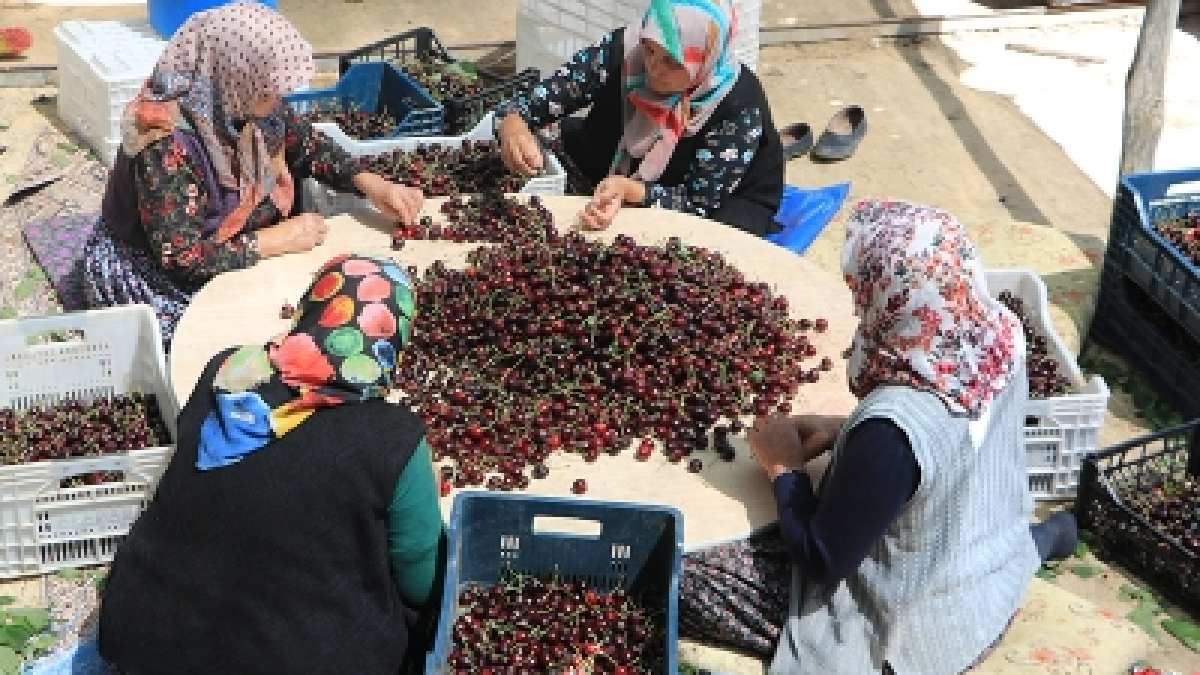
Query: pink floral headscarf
(209, 77)
(926, 318)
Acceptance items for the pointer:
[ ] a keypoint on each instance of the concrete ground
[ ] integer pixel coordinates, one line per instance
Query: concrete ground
(931, 140)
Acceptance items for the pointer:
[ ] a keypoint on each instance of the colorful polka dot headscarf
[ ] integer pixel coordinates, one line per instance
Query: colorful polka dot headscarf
(343, 348)
(926, 319)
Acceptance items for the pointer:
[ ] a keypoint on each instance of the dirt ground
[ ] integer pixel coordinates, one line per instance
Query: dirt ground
(930, 139)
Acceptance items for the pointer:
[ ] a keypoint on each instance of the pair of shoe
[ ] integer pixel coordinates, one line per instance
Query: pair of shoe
(838, 142)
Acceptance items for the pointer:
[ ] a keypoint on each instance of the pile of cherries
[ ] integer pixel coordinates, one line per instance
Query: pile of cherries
(357, 124)
(442, 170)
(489, 217)
(443, 81)
(1184, 234)
(552, 343)
(103, 426)
(1172, 506)
(530, 624)
(1045, 380)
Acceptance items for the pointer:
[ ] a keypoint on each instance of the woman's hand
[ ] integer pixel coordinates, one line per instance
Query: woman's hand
(781, 444)
(518, 148)
(611, 194)
(294, 235)
(397, 202)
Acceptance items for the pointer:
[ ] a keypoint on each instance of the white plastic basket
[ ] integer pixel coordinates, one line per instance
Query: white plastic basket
(550, 31)
(44, 527)
(101, 68)
(330, 202)
(1059, 431)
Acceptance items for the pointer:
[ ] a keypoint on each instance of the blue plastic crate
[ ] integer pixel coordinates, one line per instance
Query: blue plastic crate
(1127, 321)
(421, 45)
(639, 546)
(1154, 264)
(166, 16)
(377, 87)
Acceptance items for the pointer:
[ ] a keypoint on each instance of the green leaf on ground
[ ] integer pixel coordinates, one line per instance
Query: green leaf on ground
(25, 289)
(10, 662)
(36, 618)
(69, 574)
(1085, 571)
(42, 643)
(1185, 631)
(67, 146)
(1081, 549)
(1048, 572)
(8, 313)
(15, 635)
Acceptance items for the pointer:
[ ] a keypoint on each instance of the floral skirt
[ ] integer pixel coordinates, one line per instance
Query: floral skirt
(737, 594)
(115, 273)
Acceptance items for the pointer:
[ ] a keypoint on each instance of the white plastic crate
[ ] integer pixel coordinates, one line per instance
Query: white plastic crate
(330, 202)
(44, 527)
(102, 66)
(1059, 431)
(550, 31)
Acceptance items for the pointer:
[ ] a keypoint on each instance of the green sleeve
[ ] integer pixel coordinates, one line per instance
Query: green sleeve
(415, 527)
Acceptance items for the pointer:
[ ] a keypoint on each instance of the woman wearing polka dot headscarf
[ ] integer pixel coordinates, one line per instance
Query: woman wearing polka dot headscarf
(210, 156)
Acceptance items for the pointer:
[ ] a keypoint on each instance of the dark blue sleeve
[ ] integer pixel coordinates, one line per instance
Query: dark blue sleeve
(875, 476)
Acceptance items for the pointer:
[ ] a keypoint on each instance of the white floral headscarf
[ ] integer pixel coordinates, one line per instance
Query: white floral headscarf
(926, 318)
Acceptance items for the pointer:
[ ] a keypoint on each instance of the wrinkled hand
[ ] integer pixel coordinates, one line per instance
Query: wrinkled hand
(781, 444)
(398, 202)
(301, 233)
(519, 150)
(611, 194)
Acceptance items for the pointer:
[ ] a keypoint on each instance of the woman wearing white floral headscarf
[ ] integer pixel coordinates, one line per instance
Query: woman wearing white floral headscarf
(917, 552)
(205, 179)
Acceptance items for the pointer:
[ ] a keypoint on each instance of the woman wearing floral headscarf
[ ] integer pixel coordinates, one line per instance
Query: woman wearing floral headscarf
(205, 181)
(675, 122)
(296, 529)
(918, 550)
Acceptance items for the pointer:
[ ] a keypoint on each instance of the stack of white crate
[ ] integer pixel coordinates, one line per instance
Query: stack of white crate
(550, 31)
(102, 65)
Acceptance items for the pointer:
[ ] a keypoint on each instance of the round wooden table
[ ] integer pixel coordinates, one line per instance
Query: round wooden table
(723, 501)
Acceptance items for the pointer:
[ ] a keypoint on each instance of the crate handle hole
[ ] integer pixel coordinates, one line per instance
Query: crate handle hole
(1188, 188)
(86, 478)
(570, 526)
(54, 337)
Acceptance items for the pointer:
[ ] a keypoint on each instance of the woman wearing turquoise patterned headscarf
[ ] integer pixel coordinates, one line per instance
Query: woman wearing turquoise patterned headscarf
(297, 527)
(675, 121)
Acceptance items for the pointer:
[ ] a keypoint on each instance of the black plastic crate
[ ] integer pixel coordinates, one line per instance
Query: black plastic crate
(1131, 324)
(639, 547)
(1122, 533)
(1154, 263)
(421, 45)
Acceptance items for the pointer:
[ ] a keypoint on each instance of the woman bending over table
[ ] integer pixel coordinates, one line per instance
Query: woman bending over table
(675, 122)
(296, 529)
(918, 550)
(205, 180)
